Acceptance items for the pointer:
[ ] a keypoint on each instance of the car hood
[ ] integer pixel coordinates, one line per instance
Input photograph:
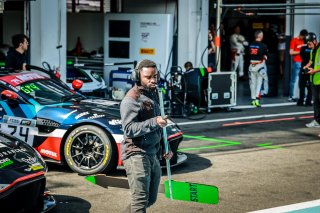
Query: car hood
(17, 160)
(88, 109)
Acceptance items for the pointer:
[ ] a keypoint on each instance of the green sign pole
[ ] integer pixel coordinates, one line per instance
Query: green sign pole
(165, 143)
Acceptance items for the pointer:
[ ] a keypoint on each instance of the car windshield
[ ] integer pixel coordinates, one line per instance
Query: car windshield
(48, 92)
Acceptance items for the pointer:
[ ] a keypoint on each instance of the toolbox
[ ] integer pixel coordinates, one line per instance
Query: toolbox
(222, 87)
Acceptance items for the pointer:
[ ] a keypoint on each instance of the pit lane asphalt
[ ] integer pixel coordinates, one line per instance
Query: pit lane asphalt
(263, 162)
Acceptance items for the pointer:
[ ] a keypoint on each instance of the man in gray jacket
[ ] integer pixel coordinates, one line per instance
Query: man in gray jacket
(142, 123)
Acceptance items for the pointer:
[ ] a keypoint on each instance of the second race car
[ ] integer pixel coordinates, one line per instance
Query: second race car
(22, 178)
(65, 126)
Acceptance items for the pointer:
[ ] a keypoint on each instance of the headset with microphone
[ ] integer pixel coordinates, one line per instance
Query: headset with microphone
(135, 74)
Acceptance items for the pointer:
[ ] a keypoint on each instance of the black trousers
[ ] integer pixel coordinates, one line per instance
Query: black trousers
(304, 82)
(316, 102)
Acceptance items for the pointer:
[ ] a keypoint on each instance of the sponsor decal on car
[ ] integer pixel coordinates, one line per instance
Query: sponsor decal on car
(68, 148)
(5, 162)
(11, 120)
(115, 122)
(107, 155)
(30, 160)
(94, 116)
(18, 79)
(81, 115)
(48, 152)
(19, 121)
(10, 152)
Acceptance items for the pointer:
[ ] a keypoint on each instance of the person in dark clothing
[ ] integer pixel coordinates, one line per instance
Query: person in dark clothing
(142, 125)
(258, 70)
(16, 59)
(304, 78)
(314, 71)
(270, 38)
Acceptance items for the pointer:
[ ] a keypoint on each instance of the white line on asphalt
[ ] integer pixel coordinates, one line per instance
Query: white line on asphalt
(264, 105)
(244, 118)
(293, 207)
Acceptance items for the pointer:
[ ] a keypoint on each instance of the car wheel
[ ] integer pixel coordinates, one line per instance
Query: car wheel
(88, 150)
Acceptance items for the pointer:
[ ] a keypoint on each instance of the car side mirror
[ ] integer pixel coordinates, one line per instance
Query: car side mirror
(77, 84)
(9, 95)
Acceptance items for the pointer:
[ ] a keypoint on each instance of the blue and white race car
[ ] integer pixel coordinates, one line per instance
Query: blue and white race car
(65, 126)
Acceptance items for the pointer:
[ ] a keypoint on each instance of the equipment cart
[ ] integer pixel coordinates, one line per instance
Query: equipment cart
(222, 87)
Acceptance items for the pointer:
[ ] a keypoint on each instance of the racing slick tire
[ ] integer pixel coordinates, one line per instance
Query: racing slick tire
(88, 150)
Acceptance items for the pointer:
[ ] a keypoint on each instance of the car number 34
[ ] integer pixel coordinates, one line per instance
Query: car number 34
(22, 132)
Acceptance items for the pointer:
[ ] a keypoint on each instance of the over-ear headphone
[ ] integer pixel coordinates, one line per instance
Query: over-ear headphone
(135, 74)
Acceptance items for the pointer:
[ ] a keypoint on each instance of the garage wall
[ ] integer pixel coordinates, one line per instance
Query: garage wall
(309, 22)
(89, 27)
(12, 24)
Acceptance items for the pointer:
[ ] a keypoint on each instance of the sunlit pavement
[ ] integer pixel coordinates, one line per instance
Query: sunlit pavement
(264, 161)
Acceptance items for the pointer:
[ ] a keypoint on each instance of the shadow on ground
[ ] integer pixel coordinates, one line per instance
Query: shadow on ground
(69, 204)
(58, 168)
(194, 163)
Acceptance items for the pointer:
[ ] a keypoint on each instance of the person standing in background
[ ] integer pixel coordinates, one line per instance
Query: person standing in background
(270, 38)
(295, 46)
(223, 48)
(211, 47)
(257, 70)
(188, 66)
(281, 49)
(304, 78)
(314, 71)
(237, 45)
(16, 59)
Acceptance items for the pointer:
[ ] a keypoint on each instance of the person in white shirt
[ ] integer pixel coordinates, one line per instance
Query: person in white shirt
(237, 44)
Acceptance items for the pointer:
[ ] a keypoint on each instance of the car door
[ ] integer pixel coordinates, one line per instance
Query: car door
(17, 117)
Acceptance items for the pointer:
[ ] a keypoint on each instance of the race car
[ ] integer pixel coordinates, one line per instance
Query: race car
(22, 180)
(93, 83)
(66, 126)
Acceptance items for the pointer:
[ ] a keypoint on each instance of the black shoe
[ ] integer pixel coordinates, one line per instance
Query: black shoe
(300, 103)
(308, 104)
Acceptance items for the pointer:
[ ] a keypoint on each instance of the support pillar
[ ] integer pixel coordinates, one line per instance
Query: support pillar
(48, 34)
(193, 32)
(287, 59)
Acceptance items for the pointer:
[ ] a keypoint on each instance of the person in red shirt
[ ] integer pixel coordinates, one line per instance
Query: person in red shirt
(295, 46)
